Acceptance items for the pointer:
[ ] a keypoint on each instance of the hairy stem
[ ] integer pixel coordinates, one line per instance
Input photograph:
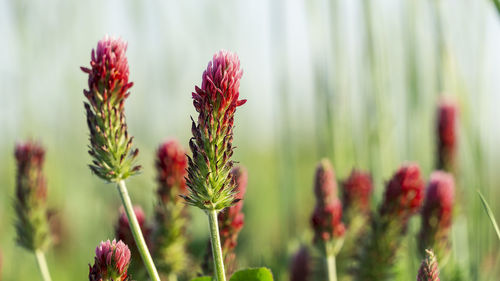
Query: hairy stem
(216, 247)
(42, 264)
(137, 232)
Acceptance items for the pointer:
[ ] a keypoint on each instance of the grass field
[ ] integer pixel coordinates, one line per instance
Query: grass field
(354, 81)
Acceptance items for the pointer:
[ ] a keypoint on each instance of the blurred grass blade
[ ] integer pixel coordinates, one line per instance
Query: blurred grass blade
(497, 5)
(487, 207)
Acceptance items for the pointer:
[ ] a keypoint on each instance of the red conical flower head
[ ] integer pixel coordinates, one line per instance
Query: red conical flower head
(326, 219)
(110, 144)
(209, 178)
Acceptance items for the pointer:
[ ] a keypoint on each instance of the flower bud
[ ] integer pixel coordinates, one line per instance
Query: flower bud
(209, 178)
(446, 135)
(437, 214)
(428, 270)
(111, 262)
(30, 203)
(108, 87)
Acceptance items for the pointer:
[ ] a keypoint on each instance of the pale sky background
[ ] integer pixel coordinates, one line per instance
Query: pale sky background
(170, 43)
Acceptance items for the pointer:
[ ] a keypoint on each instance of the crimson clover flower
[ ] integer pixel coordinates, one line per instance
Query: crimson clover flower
(402, 198)
(111, 262)
(209, 169)
(108, 88)
(31, 195)
(170, 213)
(327, 216)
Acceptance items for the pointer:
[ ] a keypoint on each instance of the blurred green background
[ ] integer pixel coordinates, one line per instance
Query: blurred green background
(353, 80)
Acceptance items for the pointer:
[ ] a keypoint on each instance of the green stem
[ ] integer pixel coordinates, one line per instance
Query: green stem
(331, 267)
(42, 264)
(216, 247)
(136, 231)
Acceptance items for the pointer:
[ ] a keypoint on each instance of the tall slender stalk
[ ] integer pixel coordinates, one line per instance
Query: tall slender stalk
(136, 231)
(42, 264)
(331, 267)
(216, 247)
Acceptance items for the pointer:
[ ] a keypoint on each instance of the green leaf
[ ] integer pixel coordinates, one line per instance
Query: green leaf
(253, 274)
(489, 213)
(203, 278)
